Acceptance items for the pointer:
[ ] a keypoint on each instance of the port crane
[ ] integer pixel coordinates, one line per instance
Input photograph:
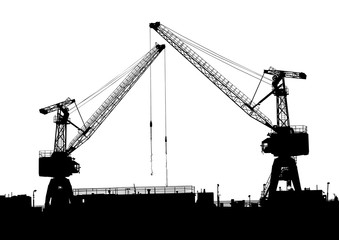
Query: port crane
(285, 142)
(58, 164)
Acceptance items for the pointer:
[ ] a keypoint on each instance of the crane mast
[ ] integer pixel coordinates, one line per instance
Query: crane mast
(280, 91)
(285, 141)
(58, 164)
(61, 120)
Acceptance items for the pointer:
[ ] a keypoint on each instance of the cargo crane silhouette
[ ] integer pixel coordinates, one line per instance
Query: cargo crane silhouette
(58, 164)
(285, 142)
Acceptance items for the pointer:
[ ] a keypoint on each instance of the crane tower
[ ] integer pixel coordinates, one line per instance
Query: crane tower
(285, 142)
(58, 164)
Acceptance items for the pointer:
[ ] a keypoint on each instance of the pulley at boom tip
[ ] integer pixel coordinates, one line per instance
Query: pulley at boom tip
(155, 25)
(160, 47)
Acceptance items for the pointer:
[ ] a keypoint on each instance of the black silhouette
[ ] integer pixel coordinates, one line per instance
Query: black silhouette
(285, 141)
(59, 164)
(176, 205)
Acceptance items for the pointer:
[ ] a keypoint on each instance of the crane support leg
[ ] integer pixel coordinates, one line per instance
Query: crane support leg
(59, 194)
(277, 173)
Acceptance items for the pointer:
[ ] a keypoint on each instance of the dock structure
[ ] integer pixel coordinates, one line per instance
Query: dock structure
(135, 198)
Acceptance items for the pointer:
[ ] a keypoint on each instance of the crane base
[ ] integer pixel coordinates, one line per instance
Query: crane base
(278, 173)
(59, 194)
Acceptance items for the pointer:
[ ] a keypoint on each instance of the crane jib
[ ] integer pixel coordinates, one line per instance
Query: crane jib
(99, 116)
(238, 97)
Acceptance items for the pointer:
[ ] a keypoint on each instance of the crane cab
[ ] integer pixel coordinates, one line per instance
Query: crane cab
(57, 164)
(291, 141)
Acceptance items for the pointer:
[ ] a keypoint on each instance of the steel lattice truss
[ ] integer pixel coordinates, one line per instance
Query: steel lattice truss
(213, 75)
(113, 100)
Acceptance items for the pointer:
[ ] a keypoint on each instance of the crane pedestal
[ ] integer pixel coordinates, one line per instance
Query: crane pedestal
(59, 193)
(284, 168)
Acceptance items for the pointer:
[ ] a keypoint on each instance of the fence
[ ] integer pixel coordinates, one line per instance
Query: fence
(135, 190)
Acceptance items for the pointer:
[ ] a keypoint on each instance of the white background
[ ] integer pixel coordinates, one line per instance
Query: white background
(51, 50)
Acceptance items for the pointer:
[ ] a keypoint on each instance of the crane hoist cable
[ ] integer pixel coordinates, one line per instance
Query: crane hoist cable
(228, 62)
(221, 58)
(256, 90)
(165, 94)
(150, 106)
(151, 112)
(79, 113)
(104, 87)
